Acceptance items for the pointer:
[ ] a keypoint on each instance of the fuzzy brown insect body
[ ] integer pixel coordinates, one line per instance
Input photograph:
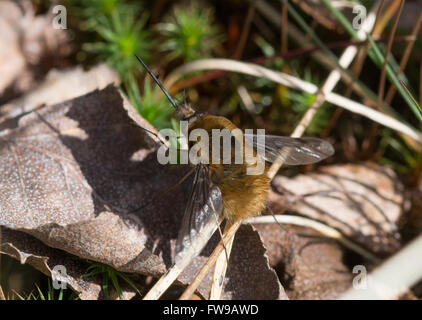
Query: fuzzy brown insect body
(229, 188)
(243, 195)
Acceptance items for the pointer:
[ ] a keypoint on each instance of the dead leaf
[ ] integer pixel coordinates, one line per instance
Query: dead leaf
(29, 46)
(29, 250)
(12, 60)
(59, 86)
(413, 225)
(249, 276)
(80, 175)
(364, 201)
(71, 172)
(309, 266)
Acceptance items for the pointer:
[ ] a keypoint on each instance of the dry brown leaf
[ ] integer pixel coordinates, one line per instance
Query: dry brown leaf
(308, 265)
(27, 40)
(80, 177)
(364, 201)
(12, 60)
(249, 276)
(59, 86)
(64, 167)
(27, 249)
(413, 221)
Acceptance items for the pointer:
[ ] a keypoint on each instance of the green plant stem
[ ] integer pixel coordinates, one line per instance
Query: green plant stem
(367, 91)
(375, 55)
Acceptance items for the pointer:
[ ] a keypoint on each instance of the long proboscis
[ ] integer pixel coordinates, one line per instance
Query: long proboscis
(158, 82)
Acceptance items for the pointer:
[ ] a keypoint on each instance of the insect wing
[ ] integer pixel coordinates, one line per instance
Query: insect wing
(205, 203)
(294, 151)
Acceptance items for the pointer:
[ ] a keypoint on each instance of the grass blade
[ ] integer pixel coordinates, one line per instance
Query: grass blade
(376, 56)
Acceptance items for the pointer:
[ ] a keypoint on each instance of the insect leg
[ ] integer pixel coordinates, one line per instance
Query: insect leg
(272, 213)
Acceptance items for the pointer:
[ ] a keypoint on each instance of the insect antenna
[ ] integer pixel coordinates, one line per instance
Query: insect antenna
(158, 83)
(275, 219)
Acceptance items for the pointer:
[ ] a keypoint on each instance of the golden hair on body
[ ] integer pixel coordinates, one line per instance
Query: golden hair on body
(227, 189)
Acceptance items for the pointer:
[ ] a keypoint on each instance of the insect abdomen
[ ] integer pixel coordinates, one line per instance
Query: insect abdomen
(243, 195)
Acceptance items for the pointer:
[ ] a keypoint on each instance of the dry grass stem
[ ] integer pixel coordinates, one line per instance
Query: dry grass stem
(304, 41)
(394, 277)
(296, 83)
(211, 261)
(405, 58)
(2, 297)
(171, 275)
(332, 80)
(318, 226)
(381, 87)
(324, 93)
(385, 19)
(245, 32)
(284, 29)
(220, 272)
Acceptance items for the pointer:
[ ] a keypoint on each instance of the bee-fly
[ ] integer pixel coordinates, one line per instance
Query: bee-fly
(226, 188)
